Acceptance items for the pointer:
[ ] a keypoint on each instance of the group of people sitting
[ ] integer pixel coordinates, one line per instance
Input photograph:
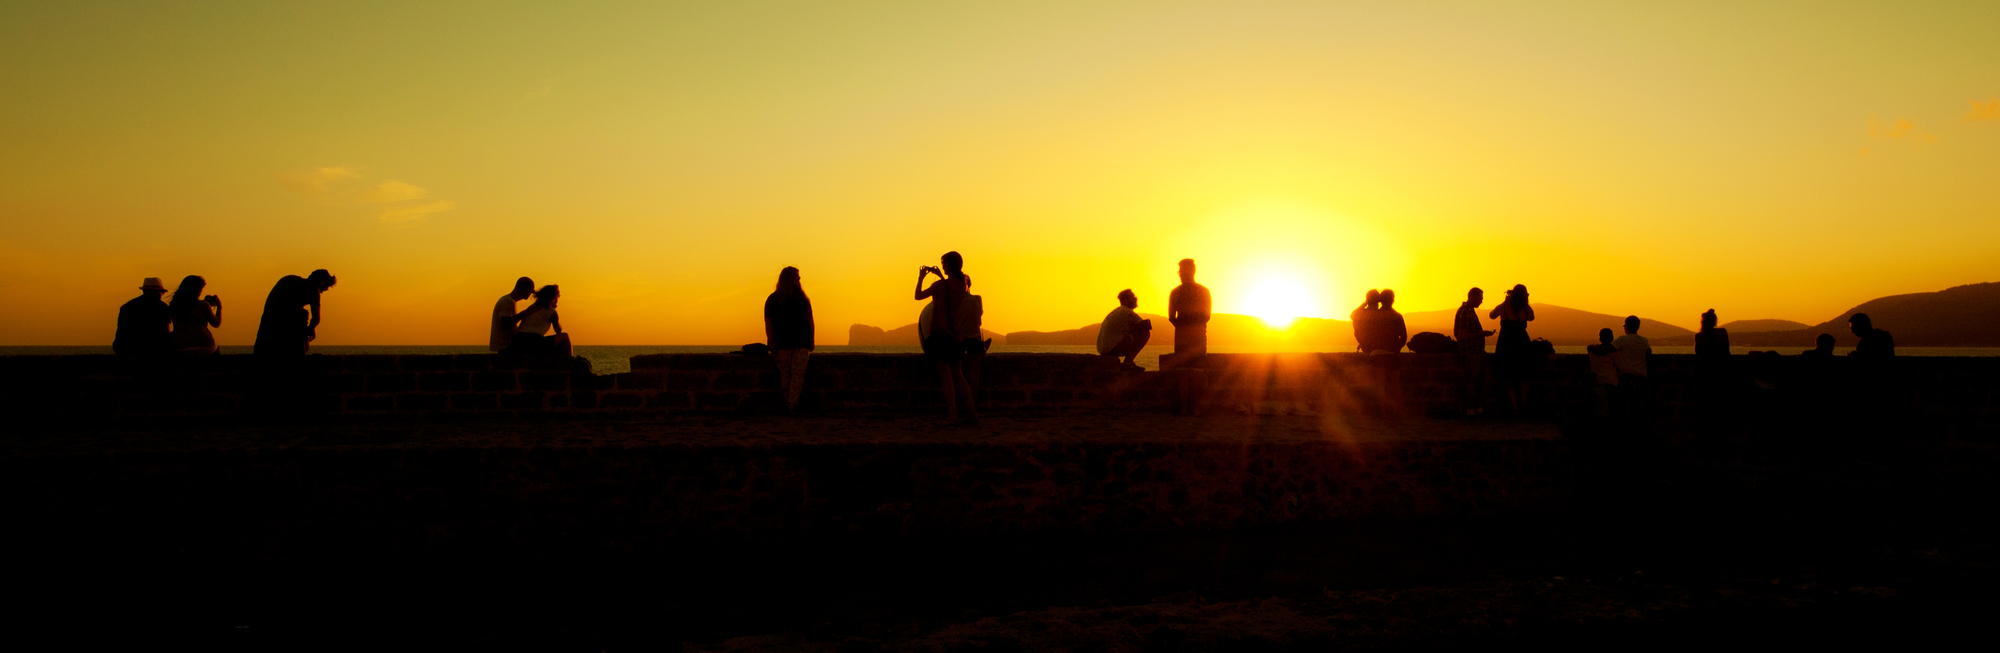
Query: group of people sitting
(148, 326)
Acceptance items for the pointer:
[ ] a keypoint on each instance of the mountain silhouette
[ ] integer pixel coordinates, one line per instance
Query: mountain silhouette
(1560, 325)
(1962, 316)
(1763, 326)
(862, 334)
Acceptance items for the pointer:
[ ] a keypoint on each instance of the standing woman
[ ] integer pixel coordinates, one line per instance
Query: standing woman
(193, 314)
(1512, 355)
(788, 329)
(532, 336)
(944, 345)
(286, 328)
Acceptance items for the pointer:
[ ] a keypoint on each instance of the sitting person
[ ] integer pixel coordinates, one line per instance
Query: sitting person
(1605, 367)
(505, 318)
(1875, 343)
(532, 336)
(1823, 347)
(193, 315)
(1711, 341)
(1123, 332)
(143, 322)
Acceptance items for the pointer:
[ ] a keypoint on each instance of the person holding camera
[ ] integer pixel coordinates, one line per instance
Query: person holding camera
(947, 343)
(193, 314)
(1123, 332)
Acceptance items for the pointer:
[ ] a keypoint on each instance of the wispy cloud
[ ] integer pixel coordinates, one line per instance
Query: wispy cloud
(1901, 129)
(1984, 111)
(394, 191)
(315, 183)
(416, 213)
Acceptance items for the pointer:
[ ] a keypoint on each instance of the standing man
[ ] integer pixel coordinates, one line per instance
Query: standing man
(1188, 309)
(142, 322)
(1631, 362)
(1123, 332)
(1471, 337)
(504, 316)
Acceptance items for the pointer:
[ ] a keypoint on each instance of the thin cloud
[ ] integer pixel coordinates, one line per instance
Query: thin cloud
(1901, 129)
(394, 191)
(314, 183)
(1984, 111)
(413, 214)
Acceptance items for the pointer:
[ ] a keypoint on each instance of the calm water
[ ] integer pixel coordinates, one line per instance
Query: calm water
(612, 359)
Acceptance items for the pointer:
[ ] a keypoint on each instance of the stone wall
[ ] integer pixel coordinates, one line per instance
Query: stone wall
(1950, 398)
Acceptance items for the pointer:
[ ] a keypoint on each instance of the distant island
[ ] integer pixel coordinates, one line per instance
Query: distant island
(1964, 316)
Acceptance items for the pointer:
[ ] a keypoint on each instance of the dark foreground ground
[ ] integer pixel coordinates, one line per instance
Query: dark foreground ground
(1752, 538)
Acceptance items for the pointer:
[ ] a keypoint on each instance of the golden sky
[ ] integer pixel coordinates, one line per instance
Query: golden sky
(661, 161)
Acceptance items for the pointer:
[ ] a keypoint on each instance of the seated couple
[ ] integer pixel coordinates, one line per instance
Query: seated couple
(1123, 332)
(527, 333)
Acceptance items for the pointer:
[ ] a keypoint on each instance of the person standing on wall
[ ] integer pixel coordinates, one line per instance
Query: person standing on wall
(1470, 335)
(788, 330)
(143, 322)
(292, 314)
(1188, 309)
(1513, 354)
(505, 317)
(944, 345)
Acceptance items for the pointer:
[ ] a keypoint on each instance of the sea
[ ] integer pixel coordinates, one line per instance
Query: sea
(613, 359)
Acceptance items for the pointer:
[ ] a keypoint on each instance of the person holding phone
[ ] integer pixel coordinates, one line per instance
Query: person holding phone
(193, 314)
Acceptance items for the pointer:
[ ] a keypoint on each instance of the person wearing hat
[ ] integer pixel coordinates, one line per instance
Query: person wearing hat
(287, 328)
(142, 322)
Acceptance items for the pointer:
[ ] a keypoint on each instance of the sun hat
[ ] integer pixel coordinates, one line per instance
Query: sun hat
(152, 283)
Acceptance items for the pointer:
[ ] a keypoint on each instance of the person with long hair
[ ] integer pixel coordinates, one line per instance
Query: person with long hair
(291, 314)
(788, 330)
(945, 345)
(1513, 354)
(1710, 340)
(193, 315)
(1363, 319)
(532, 336)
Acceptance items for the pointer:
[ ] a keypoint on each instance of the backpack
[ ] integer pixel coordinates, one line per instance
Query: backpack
(1432, 343)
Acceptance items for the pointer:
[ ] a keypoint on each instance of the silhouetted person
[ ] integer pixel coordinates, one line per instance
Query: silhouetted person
(532, 337)
(1189, 307)
(143, 322)
(1123, 333)
(1362, 318)
(1470, 335)
(788, 329)
(291, 314)
(1513, 353)
(505, 315)
(1604, 366)
(1388, 333)
(1822, 347)
(1633, 350)
(1711, 341)
(945, 344)
(1875, 343)
(193, 315)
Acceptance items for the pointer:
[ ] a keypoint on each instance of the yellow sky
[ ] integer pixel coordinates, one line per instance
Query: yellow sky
(661, 163)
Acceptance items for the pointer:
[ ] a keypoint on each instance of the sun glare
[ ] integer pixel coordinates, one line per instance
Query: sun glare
(1276, 300)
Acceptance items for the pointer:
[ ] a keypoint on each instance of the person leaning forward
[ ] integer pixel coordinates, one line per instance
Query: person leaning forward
(1123, 333)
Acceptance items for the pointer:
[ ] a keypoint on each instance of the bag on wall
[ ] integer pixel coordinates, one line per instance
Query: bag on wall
(1430, 342)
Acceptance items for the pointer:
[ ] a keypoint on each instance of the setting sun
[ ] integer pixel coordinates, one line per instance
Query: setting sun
(1276, 300)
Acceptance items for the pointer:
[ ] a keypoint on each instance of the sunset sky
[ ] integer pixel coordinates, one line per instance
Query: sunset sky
(661, 161)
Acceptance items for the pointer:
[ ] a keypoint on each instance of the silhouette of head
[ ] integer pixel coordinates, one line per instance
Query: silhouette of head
(1518, 297)
(1187, 270)
(1372, 300)
(1631, 324)
(1604, 336)
(189, 291)
(548, 294)
(321, 279)
(952, 263)
(1708, 320)
(523, 287)
(1388, 298)
(1860, 324)
(1824, 342)
(1475, 296)
(1127, 299)
(153, 287)
(788, 282)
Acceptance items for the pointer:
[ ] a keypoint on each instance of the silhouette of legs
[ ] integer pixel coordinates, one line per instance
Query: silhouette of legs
(792, 375)
(952, 374)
